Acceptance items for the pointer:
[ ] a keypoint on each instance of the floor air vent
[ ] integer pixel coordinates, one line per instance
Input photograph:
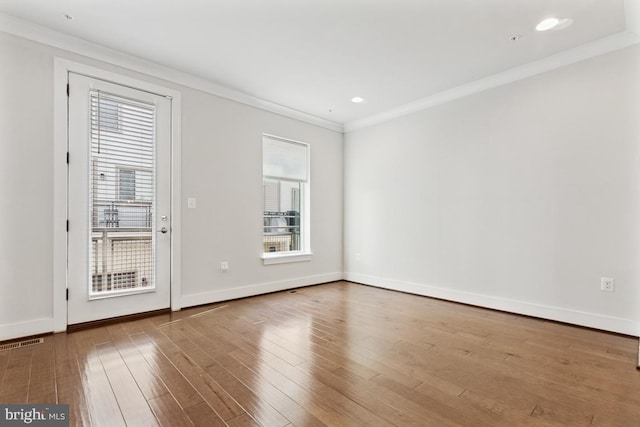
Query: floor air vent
(21, 344)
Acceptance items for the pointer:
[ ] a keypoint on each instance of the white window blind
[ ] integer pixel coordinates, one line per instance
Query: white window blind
(121, 199)
(285, 159)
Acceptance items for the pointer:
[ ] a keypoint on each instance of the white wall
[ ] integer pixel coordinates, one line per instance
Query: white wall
(518, 198)
(26, 197)
(221, 167)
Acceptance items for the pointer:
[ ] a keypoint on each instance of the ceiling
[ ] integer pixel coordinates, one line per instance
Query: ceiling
(315, 55)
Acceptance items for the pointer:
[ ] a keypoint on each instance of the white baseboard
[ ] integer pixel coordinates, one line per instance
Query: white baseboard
(24, 329)
(591, 320)
(257, 289)
(46, 325)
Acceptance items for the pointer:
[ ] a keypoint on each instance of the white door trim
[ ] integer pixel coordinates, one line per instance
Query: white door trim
(61, 70)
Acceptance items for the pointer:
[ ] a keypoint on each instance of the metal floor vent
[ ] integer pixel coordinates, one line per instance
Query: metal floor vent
(20, 344)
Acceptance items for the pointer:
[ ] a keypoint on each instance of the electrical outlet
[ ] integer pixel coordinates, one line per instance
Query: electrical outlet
(607, 284)
(224, 266)
(358, 257)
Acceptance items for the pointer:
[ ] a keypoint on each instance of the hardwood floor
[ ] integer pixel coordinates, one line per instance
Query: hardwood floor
(339, 354)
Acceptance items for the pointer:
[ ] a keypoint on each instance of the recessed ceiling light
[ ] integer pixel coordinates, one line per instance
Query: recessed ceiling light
(547, 24)
(357, 100)
(553, 24)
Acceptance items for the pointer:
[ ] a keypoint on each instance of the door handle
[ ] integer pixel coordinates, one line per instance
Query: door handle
(163, 230)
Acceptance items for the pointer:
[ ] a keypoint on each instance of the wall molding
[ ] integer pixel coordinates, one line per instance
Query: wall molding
(574, 317)
(25, 329)
(46, 36)
(257, 289)
(562, 59)
(47, 325)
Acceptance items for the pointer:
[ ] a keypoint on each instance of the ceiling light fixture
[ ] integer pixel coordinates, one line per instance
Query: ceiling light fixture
(547, 24)
(357, 100)
(553, 24)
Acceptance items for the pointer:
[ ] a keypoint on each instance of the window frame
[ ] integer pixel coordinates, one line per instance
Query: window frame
(304, 253)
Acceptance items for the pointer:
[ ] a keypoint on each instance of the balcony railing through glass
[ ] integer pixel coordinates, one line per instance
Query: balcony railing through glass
(121, 246)
(281, 231)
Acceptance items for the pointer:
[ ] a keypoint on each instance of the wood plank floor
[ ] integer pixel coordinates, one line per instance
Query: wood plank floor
(339, 354)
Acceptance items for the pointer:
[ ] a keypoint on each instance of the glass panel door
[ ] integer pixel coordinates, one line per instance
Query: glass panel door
(119, 200)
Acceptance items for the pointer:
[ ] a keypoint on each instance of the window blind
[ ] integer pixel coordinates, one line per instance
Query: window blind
(121, 202)
(285, 159)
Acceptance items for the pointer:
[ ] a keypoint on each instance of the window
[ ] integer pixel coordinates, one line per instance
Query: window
(107, 115)
(285, 184)
(127, 184)
(135, 185)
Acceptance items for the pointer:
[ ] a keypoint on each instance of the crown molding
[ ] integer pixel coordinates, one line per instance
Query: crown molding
(56, 39)
(562, 59)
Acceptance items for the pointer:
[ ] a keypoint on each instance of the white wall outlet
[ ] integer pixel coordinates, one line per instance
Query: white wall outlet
(607, 284)
(191, 202)
(358, 256)
(224, 266)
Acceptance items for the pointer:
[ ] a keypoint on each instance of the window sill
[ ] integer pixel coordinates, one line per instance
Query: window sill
(269, 259)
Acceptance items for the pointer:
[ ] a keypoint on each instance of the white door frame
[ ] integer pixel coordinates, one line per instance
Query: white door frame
(61, 70)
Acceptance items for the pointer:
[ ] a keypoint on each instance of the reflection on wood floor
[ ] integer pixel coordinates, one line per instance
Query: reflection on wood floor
(339, 354)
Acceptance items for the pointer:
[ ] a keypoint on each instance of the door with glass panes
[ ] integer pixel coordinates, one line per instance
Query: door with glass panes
(119, 236)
